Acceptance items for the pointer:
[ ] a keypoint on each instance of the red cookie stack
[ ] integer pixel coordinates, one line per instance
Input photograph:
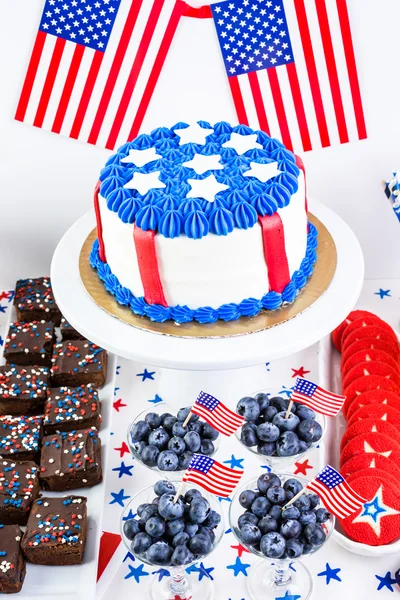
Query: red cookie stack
(370, 447)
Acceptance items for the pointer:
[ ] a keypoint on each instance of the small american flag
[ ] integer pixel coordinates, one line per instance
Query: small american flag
(292, 69)
(309, 393)
(337, 495)
(212, 476)
(219, 416)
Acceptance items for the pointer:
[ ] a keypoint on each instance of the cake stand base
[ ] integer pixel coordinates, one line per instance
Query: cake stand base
(261, 583)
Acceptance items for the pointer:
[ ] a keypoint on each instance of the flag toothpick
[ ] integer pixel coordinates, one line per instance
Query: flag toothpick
(216, 414)
(300, 493)
(178, 493)
(315, 397)
(289, 408)
(186, 421)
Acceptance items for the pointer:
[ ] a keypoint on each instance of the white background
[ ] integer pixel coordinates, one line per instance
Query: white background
(46, 181)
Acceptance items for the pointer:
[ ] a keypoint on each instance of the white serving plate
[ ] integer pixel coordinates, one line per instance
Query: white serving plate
(77, 582)
(330, 378)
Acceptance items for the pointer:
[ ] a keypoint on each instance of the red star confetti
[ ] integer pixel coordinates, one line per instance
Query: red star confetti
(118, 404)
(240, 549)
(301, 467)
(4, 295)
(123, 449)
(177, 597)
(299, 372)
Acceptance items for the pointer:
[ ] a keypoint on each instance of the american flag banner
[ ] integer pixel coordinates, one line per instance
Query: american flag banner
(95, 65)
(212, 476)
(219, 416)
(337, 495)
(292, 70)
(309, 393)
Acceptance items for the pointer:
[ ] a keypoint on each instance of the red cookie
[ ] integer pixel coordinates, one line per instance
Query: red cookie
(380, 473)
(367, 356)
(377, 522)
(365, 384)
(366, 369)
(372, 397)
(372, 321)
(385, 412)
(371, 332)
(369, 426)
(369, 461)
(370, 344)
(366, 443)
(338, 332)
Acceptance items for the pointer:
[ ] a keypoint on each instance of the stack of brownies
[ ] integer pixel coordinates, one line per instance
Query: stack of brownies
(49, 416)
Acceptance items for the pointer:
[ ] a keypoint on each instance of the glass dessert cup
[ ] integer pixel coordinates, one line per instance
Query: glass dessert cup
(161, 408)
(179, 584)
(282, 577)
(282, 464)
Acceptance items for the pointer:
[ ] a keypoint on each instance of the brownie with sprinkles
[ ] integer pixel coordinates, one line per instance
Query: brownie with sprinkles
(20, 437)
(29, 343)
(23, 390)
(19, 487)
(69, 408)
(56, 531)
(68, 332)
(12, 561)
(34, 300)
(78, 362)
(70, 460)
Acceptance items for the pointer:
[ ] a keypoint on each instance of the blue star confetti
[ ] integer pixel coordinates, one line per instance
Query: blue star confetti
(286, 391)
(1, 341)
(136, 572)
(330, 574)
(289, 596)
(222, 499)
(117, 369)
(202, 571)
(266, 467)
(239, 567)
(3, 309)
(155, 400)
(385, 582)
(228, 530)
(146, 375)
(234, 462)
(383, 294)
(123, 469)
(118, 498)
(161, 574)
(129, 516)
(130, 556)
(116, 390)
(267, 366)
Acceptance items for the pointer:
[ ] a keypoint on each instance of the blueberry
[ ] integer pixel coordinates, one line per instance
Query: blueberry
(248, 437)
(294, 548)
(140, 431)
(309, 430)
(145, 511)
(167, 460)
(276, 495)
(269, 413)
(307, 547)
(247, 518)
(292, 487)
(192, 441)
(268, 432)
(177, 445)
(139, 447)
(260, 506)
(206, 531)
(191, 494)
(178, 430)
(304, 446)
(155, 526)
(191, 529)
(213, 519)
(164, 415)
(247, 498)
(209, 433)
(266, 448)
(276, 402)
(131, 528)
(266, 480)
(268, 524)
(207, 447)
(263, 401)
(170, 509)
(250, 534)
(291, 512)
(199, 510)
(314, 500)
(155, 500)
(288, 444)
(180, 539)
(164, 486)
(275, 512)
(302, 503)
(141, 542)
(183, 413)
(159, 553)
(200, 545)
(249, 408)
(322, 515)
(284, 424)
(273, 545)
(304, 412)
(181, 555)
(159, 437)
(153, 420)
(314, 534)
(172, 528)
(149, 455)
(197, 427)
(184, 460)
(168, 423)
(290, 529)
(307, 517)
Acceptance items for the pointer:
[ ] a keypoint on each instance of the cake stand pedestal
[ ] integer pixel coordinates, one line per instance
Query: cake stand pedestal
(201, 360)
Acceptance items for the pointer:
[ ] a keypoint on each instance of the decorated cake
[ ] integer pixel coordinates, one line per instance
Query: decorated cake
(203, 222)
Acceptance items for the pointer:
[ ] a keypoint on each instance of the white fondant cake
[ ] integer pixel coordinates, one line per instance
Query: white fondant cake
(203, 222)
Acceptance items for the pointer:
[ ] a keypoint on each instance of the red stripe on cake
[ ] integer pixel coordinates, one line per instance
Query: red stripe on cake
(148, 266)
(275, 251)
(102, 252)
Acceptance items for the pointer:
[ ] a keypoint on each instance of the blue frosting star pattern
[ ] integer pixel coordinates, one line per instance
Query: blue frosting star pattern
(385, 582)
(136, 572)
(239, 567)
(234, 462)
(146, 375)
(124, 469)
(372, 509)
(289, 596)
(161, 573)
(330, 574)
(383, 293)
(119, 498)
(155, 400)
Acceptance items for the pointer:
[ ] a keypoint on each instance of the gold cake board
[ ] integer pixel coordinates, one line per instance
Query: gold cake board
(318, 283)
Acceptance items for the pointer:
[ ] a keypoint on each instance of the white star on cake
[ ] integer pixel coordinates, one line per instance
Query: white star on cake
(373, 511)
(205, 188)
(194, 134)
(201, 163)
(141, 157)
(143, 182)
(263, 172)
(242, 143)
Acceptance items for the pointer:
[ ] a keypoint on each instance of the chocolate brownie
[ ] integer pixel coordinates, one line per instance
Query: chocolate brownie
(67, 408)
(19, 487)
(12, 562)
(56, 531)
(78, 362)
(20, 437)
(29, 343)
(34, 300)
(68, 332)
(70, 460)
(23, 390)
